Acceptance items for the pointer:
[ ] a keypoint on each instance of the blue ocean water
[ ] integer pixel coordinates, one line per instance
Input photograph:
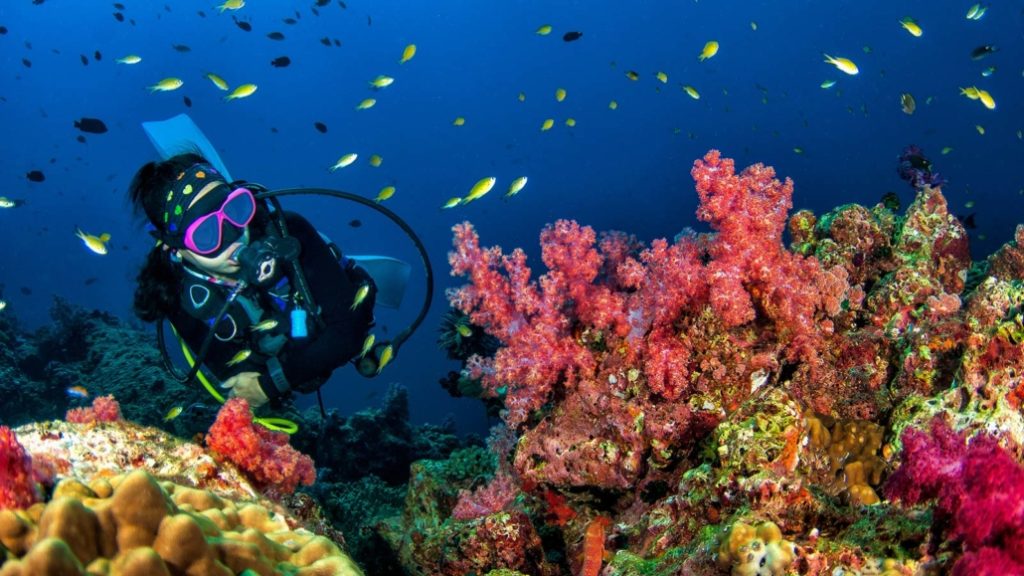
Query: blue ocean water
(625, 169)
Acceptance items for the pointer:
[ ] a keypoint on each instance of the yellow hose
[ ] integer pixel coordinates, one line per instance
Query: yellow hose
(275, 424)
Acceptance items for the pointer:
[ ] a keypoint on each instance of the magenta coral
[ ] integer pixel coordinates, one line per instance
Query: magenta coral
(103, 409)
(264, 454)
(979, 492)
(17, 480)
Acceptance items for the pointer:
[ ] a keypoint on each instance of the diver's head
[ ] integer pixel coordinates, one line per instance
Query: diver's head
(195, 212)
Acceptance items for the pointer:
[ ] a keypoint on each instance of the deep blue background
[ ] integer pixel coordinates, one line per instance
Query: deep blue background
(626, 169)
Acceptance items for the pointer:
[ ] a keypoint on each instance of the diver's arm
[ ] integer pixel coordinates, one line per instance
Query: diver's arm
(306, 363)
(194, 332)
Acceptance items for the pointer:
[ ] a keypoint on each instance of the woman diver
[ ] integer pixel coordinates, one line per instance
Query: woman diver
(267, 304)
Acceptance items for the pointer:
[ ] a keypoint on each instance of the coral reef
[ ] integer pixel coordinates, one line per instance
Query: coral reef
(99, 353)
(134, 525)
(698, 391)
(179, 512)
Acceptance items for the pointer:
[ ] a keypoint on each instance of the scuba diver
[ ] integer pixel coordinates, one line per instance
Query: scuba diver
(256, 294)
(214, 240)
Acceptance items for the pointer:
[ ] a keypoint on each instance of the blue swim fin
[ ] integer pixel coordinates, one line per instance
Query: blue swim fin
(180, 134)
(391, 276)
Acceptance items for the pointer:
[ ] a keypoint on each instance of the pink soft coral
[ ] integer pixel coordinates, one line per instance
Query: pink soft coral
(749, 264)
(978, 489)
(17, 479)
(265, 455)
(610, 293)
(103, 409)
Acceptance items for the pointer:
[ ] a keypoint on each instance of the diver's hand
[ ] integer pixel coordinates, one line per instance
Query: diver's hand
(246, 385)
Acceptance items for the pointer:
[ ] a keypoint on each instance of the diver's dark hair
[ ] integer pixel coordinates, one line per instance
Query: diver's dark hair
(158, 292)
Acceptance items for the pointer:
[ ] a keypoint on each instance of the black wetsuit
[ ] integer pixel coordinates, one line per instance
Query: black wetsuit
(306, 363)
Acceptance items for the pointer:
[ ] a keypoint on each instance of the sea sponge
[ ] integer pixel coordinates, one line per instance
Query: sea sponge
(145, 527)
(760, 551)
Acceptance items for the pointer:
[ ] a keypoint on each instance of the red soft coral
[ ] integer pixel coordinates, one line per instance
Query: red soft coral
(749, 264)
(17, 479)
(979, 491)
(265, 455)
(613, 295)
(103, 409)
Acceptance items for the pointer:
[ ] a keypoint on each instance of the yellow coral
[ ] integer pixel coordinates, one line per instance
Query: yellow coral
(851, 447)
(134, 525)
(761, 551)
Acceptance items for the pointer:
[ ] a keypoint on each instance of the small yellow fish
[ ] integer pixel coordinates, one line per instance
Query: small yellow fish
(173, 413)
(986, 99)
(366, 104)
(451, 203)
(570, 122)
(130, 59)
(547, 125)
(231, 5)
(97, 244)
(971, 93)
(385, 357)
(710, 49)
(361, 294)
(828, 84)
(516, 185)
(907, 103)
(6, 202)
(969, 204)
(385, 193)
(408, 53)
(268, 324)
(632, 75)
(376, 161)
(947, 150)
(662, 77)
(843, 64)
(911, 26)
(753, 25)
(798, 150)
(382, 81)
(544, 30)
(239, 357)
(243, 91)
(464, 331)
(613, 105)
(692, 92)
(345, 160)
(479, 189)
(459, 121)
(980, 129)
(367, 344)
(560, 94)
(522, 96)
(976, 12)
(166, 85)
(217, 81)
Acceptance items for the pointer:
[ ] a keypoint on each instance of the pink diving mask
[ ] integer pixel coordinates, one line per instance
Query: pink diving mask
(206, 235)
